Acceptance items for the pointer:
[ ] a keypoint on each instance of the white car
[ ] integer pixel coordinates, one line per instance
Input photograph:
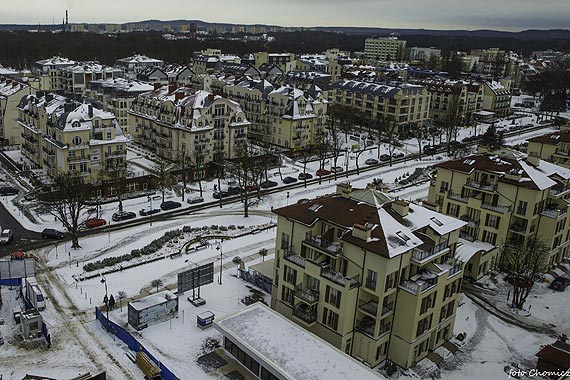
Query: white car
(6, 236)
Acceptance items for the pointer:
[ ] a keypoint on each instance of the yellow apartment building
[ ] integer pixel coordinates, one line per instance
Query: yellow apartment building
(375, 277)
(552, 147)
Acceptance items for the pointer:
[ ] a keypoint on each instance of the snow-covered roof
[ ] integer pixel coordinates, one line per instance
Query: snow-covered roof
(10, 87)
(7, 71)
(122, 84)
(466, 249)
(137, 58)
(270, 337)
(56, 61)
(152, 300)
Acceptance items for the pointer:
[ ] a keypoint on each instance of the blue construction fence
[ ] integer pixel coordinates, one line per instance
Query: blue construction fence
(132, 343)
(10, 281)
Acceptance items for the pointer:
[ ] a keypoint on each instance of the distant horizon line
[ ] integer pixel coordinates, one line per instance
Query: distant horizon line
(291, 26)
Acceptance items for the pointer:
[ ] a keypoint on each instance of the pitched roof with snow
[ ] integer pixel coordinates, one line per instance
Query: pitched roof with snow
(390, 233)
(552, 138)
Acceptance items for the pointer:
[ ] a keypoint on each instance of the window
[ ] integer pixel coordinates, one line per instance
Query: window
(332, 296)
(521, 210)
(391, 280)
(77, 140)
(287, 295)
(371, 279)
(489, 237)
(284, 241)
(330, 318)
(492, 221)
(424, 325)
(444, 187)
(452, 209)
(290, 275)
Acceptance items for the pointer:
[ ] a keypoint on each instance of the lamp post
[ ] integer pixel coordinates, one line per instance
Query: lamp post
(219, 248)
(104, 281)
(150, 200)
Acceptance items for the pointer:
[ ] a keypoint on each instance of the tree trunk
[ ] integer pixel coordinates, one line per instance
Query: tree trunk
(75, 241)
(120, 204)
(200, 186)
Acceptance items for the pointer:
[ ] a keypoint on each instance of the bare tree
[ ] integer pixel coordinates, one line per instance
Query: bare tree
(184, 165)
(164, 180)
(526, 264)
(451, 123)
(67, 199)
(389, 128)
(248, 171)
(336, 144)
(420, 133)
(263, 252)
(198, 168)
(156, 283)
(115, 174)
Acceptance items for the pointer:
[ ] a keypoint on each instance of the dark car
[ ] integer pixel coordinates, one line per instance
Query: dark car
(322, 172)
(373, 161)
(50, 233)
(145, 212)
(384, 157)
(398, 155)
(337, 169)
(559, 283)
(303, 176)
(268, 184)
(234, 190)
(303, 200)
(123, 215)
(7, 190)
(429, 149)
(169, 205)
(222, 194)
(289, 180)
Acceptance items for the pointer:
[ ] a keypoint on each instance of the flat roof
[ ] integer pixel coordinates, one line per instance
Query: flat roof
(265, 268)
(288, 349)
(152, 300)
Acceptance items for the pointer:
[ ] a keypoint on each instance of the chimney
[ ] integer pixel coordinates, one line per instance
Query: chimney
(90, 110)
(157, 86)
(401, 207)
(361, 232)
(344, 189)
(67, 106)
(171, 88)
(49, 97)
(211, 97)
(179, 95)
(533, 159)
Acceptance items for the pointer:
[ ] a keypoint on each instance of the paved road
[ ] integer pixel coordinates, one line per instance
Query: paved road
(23, 238)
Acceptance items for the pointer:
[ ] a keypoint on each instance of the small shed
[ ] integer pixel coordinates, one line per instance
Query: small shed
(31, 324)
(155, 308)
(554, 358)
(205, 319)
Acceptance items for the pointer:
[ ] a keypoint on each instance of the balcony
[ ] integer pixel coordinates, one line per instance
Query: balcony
(333, 248)
(366, 326)
(115, 154)
(499, 209)
(421, 255)
(338, 278)
(456, 197)
(557, 192)
(293, 258)
(309, 296)
(387, 308)
(370, 307)
(554, 212)
(78, 159)
(484, 186)
(471, 222)
(454, 270)
(518, 228)
(306, 315)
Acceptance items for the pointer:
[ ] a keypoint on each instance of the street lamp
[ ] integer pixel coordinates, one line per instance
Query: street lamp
(219, 248)
(106, 300)
(150, 210)
(288, 198)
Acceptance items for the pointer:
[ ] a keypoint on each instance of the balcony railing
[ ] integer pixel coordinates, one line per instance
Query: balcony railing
(456, 197)
(470, 221)
(371, 307)
(309, 296)
(499, 209)
(421, 254)
(454, 270)
(387, 308)
(366, 326)
(518, 228)
(295, 259)
(482, 186)
(553, 212)
(416, 287)
(338, 278)
(334, 248)
(558, 192)
(308, 316)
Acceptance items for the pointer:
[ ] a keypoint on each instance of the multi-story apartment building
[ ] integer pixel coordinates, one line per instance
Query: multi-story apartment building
(278, 59)
(505, 198)
(131, 66)
(492, 61)
(384, 49)
(497, 97)
(282, 116)
(552, 147)
(61, 136)
(116, 96)
(171, 120)
(11, 92)
(49, 72)
(453, 101)
(375, 277)
(405, 104)
(70, 77)
(424, 54)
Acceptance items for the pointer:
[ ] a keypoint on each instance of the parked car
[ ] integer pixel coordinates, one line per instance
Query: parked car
(195, 200)
(95, 222)
(123, 215)
(145, 212)
(234, 190)
(7, 190)
(6, 236)
(251, 187)
(169, 205)
(268, 184)
(289, 180)
(384, 157)
(371, 161)
(321, 172)
(337, 169)
(303, 200)
(304, 176)
(429, 149)
(559, 283)
(50, 233)
(398, 155)
(222, 194)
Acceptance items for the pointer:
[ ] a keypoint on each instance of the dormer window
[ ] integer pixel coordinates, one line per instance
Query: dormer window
(77, 140)
(76, 124)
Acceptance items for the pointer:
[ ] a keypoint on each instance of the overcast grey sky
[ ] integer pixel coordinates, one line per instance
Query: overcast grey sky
(433, 14)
